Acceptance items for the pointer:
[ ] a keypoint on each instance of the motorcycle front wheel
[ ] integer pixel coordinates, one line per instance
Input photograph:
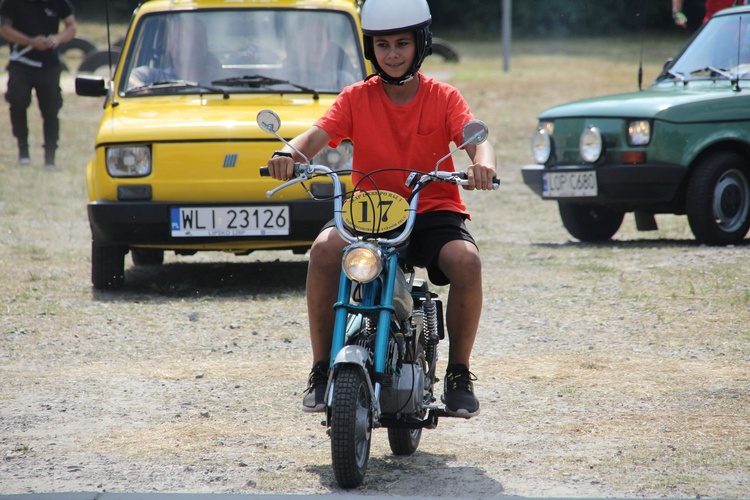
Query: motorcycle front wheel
(351, 426)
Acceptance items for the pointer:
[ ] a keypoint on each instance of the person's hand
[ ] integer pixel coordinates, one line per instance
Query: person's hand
(480, 177)
(51, 42)
(281, 168)
(680, 19)
(39, 43)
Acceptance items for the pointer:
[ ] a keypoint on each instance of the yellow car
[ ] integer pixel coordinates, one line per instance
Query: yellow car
(178, 150)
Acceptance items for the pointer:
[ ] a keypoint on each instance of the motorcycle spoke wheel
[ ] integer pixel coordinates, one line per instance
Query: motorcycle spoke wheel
(351, 427)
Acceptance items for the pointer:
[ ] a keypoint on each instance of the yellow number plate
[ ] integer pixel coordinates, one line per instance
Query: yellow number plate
(375, 211)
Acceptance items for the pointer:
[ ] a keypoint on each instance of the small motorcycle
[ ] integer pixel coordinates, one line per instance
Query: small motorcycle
(387, 322)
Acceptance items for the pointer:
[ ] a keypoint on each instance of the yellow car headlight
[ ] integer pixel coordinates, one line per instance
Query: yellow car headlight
(338, 159)
(129, 161)
(362, 262)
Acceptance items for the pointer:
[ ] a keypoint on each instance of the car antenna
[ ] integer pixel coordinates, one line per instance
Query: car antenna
(736, 76)
(643, 39)
(109, 56)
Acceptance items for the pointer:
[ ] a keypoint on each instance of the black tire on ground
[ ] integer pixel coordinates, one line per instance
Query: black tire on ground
(718, 199)
(404, 442)
(351, 427)
(590, 223)
(98, 59)
(119, 43)
(78, 43)
(107, 266)
(147, 256)
(444, 49)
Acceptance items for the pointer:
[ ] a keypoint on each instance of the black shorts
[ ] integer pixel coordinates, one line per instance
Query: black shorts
(431, 232)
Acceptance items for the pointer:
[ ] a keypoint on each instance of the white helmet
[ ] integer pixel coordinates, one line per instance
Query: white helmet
(390, 17)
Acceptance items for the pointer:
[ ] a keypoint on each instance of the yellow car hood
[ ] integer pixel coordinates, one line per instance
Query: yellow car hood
(209, 117)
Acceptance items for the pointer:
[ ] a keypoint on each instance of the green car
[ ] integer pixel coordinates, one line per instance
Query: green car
(682, 146)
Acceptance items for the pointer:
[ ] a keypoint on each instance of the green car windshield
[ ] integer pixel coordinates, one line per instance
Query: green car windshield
(720, 51)
(242, 50)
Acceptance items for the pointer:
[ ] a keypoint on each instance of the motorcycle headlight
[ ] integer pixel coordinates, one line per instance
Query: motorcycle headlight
(362, 262)
(639, 132)
(591, 145)
(337, 159)
(129, 161)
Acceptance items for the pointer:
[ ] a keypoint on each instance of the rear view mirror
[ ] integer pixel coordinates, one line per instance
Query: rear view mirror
(268, 121)
(475, 132)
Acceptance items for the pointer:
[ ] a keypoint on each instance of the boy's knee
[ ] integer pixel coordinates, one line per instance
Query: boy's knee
(326, 251)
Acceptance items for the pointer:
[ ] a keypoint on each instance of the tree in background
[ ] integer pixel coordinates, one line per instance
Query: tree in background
(482, 18)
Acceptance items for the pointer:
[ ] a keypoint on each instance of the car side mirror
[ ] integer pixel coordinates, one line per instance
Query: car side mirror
(90, 86)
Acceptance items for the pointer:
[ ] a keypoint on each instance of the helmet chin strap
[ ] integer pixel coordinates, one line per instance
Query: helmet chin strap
(401, 80)
(395, 81)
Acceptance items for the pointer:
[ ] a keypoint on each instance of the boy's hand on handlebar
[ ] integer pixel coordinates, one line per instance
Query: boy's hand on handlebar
(281, 168)
(480, 177)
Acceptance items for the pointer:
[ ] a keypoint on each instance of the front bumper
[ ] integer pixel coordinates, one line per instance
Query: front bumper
(148, 224)
(626, 186)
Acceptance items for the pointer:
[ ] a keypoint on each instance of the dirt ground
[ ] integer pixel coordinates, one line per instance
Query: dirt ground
(617, 370)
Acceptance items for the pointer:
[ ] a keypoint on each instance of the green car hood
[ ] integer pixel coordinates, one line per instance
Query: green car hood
(698, 101)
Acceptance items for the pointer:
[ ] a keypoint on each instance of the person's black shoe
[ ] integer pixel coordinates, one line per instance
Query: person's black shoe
(313, 399)
(458, 393)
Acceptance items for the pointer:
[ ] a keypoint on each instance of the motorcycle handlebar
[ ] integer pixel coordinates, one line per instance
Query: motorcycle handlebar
(303, 172)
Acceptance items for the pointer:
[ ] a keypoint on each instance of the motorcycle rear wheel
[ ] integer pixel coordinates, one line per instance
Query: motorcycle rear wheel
(403, 441)
(351, 427)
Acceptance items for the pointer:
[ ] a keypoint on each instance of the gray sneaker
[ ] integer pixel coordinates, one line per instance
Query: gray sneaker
(24, 161)
(313, 399)
(458, 393)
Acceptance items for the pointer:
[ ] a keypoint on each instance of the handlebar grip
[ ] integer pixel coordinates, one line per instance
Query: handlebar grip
(264, 172)
(495, 180)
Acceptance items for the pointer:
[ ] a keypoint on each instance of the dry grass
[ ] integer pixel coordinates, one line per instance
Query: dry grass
(604, 370)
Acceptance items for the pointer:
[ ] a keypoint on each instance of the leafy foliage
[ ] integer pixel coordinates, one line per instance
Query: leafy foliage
(472, 18)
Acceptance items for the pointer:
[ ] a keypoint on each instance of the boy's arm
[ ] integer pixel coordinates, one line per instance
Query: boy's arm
(483, 168)
(309, 143)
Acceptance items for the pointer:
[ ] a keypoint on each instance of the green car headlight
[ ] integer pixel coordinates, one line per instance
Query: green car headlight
(129, 161)
(541, 146)
(591, 145)
(362, 262)
(639, 132)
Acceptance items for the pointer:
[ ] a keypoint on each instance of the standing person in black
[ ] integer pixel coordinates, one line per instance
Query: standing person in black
(33, 29)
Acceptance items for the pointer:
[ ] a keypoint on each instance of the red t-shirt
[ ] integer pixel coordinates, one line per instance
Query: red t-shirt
(411, 136)
(714, 6)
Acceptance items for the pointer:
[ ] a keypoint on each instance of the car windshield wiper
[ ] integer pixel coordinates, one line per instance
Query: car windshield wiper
(258, 81)
(174, 84)
(714, 71)
(679, 76)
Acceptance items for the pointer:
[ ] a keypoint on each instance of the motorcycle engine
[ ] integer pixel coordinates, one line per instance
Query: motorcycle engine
(402, 394)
